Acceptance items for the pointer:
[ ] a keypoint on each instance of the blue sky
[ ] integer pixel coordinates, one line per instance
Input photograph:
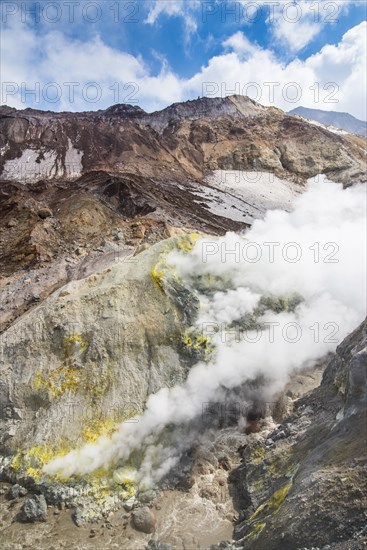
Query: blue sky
(169, 51)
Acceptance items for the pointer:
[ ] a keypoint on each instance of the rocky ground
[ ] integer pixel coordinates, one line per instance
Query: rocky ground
(296, 484)
(85, 201)
(83, 188)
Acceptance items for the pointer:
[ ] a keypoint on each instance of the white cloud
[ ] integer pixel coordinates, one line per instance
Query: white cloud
(332, 79)
(58, 59)
(174, 8)
(296, 35)
(294, 24)
(240, 44)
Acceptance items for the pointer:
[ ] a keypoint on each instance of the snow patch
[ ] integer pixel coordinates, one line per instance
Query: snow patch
(73, 161)
(35, 165)
(244, 196)
(331, 129)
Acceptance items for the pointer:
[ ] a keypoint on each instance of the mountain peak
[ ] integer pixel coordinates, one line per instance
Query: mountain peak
(124, 109)
(204, 108)
(336, 119)
(214, 106)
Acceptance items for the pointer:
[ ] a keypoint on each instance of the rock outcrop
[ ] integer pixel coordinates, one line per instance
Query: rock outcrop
(90, 355)
(179, 143)
(34, 509)
(304, 485)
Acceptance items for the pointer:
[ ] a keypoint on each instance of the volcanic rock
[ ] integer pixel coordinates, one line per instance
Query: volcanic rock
(16, 491)
(144, 520)
(34, 509)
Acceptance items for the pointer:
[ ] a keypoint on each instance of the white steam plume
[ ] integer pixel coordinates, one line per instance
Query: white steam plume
(328, 230)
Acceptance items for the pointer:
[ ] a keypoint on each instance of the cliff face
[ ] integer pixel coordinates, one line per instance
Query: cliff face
(74, 185)
(181, 142)
(305, 483)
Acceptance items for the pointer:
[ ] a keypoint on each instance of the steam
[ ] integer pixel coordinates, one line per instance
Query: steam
(327, 232)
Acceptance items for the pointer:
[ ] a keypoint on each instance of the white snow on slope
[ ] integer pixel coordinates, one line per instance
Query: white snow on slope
(35, 165)
(244, 196)
(332, 129)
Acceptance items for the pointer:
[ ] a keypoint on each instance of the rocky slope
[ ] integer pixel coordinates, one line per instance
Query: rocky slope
(99, 350)
(304, 484)
(295, 484)
(91, 203)
(179, 143)
(343, 121)
(77, 189)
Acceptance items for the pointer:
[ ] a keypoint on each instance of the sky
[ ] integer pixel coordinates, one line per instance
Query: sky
(81, 55)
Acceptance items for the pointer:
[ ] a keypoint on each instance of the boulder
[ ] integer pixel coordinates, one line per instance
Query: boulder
(34, 509)
(16, 491)
(144, 520)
